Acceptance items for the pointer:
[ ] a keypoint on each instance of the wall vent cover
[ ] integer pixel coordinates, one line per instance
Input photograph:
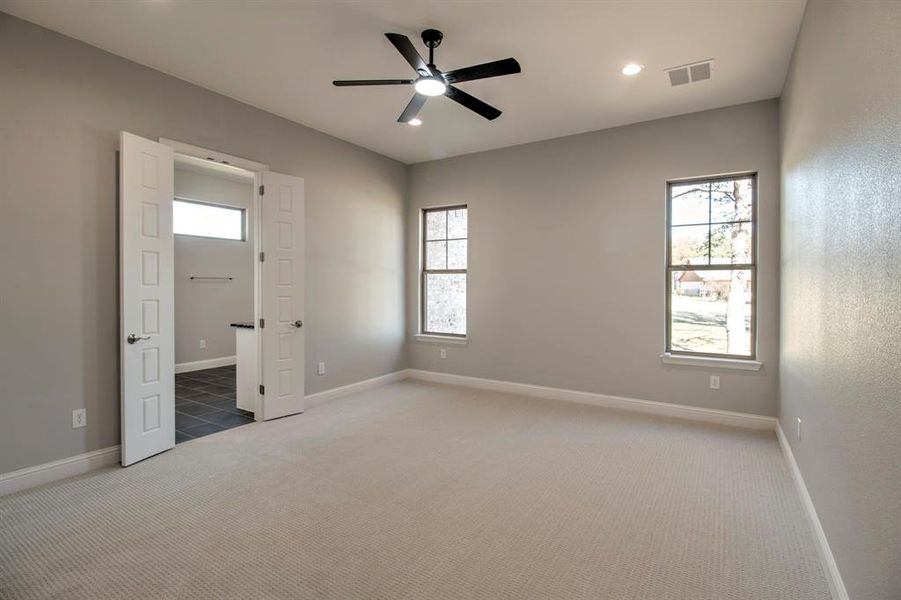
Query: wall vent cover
(690, 73)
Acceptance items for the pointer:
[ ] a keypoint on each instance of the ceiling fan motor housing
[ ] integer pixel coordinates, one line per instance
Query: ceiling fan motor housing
(432, 38)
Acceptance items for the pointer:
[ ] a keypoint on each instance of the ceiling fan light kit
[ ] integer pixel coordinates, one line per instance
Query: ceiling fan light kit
(432, 82)
(430, 86)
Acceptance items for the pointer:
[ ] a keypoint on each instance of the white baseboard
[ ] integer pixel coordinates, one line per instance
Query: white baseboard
(836, 585)
(694, 413)
(318, 398)
(80, 464)
(210, 363)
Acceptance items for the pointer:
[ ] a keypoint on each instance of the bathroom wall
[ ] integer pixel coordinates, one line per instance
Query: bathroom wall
(204, 308)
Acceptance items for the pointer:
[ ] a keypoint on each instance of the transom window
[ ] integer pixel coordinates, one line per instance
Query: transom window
(712, 267)
(207, 220)
(444, 238)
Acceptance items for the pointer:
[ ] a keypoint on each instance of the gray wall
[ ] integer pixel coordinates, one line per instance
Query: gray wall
(566, 256)
(841, 282)
(62, 105)
(204, 308)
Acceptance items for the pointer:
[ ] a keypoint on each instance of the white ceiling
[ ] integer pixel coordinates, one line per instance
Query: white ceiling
(282, 57)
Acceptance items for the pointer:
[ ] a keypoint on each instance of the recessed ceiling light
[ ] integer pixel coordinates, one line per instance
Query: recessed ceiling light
(415, 122)
(632, 69)
(430, 86)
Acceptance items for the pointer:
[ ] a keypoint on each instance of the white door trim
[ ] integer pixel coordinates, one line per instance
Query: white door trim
(230, 164)
(214, 156)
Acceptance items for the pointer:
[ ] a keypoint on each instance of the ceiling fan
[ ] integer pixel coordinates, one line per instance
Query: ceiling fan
(433, 82)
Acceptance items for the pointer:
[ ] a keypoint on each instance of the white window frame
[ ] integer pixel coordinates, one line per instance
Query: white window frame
(240, 209)
(431, 336)
(725, 361)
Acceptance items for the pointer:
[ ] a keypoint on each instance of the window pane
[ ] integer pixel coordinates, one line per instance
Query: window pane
(456, 254)
(436, 255)
(192, 218)
(445, 297)
(730, 244)
(731, 200)
(690, 204)
(689, 245)
(456, 223)
(436, 225)
(710, 312)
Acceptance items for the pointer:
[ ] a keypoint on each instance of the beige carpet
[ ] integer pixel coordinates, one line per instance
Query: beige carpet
(417, 490)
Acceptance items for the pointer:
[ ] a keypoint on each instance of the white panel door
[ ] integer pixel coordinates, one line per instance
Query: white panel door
(146, 298)
(281, 294)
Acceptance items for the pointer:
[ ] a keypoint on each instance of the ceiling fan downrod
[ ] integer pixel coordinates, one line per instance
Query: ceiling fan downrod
(432, 39)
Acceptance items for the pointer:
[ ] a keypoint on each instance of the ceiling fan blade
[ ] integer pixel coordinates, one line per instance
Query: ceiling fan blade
(413, 108)
(405, 47)
(508, 66)
(472, 103)
(344, 83)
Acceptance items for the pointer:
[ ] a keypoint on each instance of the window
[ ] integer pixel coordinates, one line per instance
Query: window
(444, 233)
(207, 220)
(711, 270)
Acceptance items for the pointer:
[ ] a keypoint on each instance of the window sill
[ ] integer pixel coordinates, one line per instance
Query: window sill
(711, 362)
(445, 340)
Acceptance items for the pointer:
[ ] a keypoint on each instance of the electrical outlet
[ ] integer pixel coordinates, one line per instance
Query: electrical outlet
(202, 344)
(322, 368)
(714, 382)
(799, 428)
(79, 418)
(443, 353)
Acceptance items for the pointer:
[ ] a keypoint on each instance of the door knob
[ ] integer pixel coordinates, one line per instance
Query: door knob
(298, 323)
(132, 338)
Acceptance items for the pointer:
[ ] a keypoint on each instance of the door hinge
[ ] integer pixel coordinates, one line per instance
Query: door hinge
(262, 256)
(262, 323)
(262, 390)
(262, 190)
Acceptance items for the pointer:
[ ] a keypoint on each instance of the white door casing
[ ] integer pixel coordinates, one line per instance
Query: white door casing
(281, 289)
(146, 297)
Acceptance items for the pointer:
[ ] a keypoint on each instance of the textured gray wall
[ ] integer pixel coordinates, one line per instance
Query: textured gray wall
(62, 105)
(841, 282)
(204, 308)
(566, 256)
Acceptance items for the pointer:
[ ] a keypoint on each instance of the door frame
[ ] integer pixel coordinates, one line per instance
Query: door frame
(223, 162)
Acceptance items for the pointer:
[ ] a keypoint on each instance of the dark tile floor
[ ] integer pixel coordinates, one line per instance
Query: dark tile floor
(205, 403)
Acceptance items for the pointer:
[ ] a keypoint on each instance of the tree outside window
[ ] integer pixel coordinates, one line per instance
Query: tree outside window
(712, 267)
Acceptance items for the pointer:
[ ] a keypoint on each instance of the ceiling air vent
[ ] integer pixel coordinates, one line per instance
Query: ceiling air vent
(690, 73)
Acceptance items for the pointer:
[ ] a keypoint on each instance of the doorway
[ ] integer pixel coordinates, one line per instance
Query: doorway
(269, 380)
(213, 226)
